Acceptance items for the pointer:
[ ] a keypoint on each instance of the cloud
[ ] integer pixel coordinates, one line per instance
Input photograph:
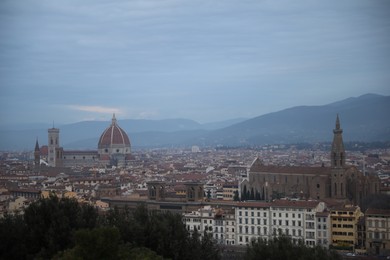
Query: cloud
(96, 109)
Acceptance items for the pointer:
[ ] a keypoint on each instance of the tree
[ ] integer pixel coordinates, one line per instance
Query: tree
(282, 247)
(12, 237)
(50, 223)
(236, 197)
(97, 243)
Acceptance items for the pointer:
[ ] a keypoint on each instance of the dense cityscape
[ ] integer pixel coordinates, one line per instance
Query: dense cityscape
(320, 195)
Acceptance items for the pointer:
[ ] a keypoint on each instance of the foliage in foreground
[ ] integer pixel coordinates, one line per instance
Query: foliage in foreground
(283, 248)
(56, 228)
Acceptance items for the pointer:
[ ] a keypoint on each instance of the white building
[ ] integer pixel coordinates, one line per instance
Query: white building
(247, 221)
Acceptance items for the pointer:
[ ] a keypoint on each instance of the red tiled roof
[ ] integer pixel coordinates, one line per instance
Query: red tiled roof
(113, 135)
(371, 211)
(295, 203)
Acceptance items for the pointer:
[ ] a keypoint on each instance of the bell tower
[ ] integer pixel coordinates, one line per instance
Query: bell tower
(37, 155)
(337, 158)
(53, 145)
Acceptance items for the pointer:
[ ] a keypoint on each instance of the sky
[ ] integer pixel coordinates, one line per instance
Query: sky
(205, 60)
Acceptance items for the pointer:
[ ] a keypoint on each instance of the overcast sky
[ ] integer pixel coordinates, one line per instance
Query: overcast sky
(205, 60)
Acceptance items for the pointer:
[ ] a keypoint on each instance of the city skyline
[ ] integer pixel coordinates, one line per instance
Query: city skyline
(72, 61)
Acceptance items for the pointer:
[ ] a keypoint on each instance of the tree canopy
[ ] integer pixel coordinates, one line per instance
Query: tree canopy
(282, 247)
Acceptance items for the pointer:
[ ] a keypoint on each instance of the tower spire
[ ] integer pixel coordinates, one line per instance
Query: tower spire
(36, 146)
(113, 119)
(338, 151)
(37, 154)
(337, 122)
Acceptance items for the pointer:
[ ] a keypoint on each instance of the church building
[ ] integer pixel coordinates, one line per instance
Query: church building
(339, 181)
(113, 149)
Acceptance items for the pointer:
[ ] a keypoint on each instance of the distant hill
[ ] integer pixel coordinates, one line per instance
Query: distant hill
(365, 118)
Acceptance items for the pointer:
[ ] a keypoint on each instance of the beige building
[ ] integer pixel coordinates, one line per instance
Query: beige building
(378, 231)
(344, 226)
(228, 191)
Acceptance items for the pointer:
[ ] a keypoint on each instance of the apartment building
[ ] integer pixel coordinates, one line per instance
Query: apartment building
(229, 190)
(253, 221)
(323, 228)
(344, 226)
(221, 223)
(248, 221)
(296, 219)
(378, 231)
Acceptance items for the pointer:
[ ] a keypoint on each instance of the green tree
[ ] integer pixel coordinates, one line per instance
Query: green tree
(50, 223)
(236, 197)
(282, 247)
(12, 237)
(97, 243)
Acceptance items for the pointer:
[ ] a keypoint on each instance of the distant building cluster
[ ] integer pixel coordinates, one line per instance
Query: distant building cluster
(237, 195)
(113, 148)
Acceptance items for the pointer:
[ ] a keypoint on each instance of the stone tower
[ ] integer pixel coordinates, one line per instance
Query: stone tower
(37, 155)
(53, 145)
(338, 188)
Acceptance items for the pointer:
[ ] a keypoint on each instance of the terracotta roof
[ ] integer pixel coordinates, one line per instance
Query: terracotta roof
(254, 204)
(295, 203)
(372, 211)
(113, 135)
(291, 169)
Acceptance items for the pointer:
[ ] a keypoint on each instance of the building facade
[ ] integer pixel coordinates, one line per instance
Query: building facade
(378, 231)
(344, 226)
(114, 148)
(339, 181)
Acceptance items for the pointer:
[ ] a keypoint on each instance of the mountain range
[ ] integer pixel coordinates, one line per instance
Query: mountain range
(365, 118)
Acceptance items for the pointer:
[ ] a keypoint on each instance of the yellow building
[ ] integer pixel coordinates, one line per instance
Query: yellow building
(378, 231)
(228, 191)
(344, 226)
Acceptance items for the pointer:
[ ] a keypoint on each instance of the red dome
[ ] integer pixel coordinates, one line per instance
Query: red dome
(113, 135)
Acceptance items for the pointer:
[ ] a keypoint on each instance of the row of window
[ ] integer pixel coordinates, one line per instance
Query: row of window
(240, 221)
(342, 226)
(335, 233)
(378, 235)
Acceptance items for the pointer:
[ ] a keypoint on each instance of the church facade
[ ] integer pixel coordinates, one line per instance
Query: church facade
(113, 149)
(339, 181)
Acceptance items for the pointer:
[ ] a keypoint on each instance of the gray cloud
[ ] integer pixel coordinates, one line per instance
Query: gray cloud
(188, 58)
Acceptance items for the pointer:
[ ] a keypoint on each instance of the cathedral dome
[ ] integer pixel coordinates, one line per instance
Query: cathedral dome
(113, 137)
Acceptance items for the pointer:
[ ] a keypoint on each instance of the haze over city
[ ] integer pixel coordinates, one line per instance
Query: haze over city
(71, 61)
